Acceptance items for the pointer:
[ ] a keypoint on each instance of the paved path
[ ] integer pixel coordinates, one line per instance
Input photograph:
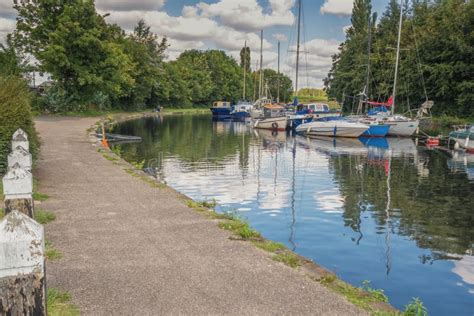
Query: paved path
(135, 250)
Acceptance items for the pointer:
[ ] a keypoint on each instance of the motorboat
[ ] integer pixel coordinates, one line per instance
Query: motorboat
(464, 137)
(221, 110)
(335, 128)
(241, 111)
(273, 118)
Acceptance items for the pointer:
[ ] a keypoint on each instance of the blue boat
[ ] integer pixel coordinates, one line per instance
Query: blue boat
(221, 110)
(376, 130)
(241, 111)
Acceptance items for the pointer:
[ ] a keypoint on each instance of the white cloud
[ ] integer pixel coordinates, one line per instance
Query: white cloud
(280, 37)
(6, 26)
(338, 7)
(127, 5)
(248, 15)
(315, 62)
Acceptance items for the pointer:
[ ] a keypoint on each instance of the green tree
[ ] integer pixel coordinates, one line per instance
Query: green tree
(273, 80)
(11, 63)
(70, 40)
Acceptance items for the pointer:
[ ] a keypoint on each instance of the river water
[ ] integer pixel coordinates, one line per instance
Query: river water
(387, 211)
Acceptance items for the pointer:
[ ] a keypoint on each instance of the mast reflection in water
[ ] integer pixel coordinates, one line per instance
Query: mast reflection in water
(382, 210)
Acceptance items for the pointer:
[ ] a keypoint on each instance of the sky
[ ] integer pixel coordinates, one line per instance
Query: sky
(227, 24)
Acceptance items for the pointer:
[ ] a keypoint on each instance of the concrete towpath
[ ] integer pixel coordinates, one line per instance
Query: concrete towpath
(130, 249)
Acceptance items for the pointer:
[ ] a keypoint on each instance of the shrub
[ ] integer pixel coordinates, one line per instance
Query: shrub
(15, 112)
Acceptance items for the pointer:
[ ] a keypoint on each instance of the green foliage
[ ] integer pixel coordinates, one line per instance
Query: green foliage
(241, 228)
(377, 294)
(44, 217)
(415, 308)
(38, 196)
(274, 80)
(288, 258)
(15, 112)
(11, 63)
(51, 252)
(59, 303)
(269, 245)
(437, 54)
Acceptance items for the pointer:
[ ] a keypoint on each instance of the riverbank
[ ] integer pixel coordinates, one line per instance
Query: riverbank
(131, 247)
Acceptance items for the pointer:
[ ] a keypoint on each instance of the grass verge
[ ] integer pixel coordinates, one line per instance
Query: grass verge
(44, 217)
(51, 252)
(59, 303)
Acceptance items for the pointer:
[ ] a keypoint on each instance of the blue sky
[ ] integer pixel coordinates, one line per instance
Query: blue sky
(226, 24)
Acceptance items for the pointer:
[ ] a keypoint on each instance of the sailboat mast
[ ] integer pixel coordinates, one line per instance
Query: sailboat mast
(245, 67)
(260, 86)
(398, 57)
(298, 47)
(369, 43)
(278, 82)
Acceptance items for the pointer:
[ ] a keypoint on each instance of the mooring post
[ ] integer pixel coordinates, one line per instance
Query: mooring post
(22, 266)
(18, 190)
(20, 138)
(18, 181)
(20, 156)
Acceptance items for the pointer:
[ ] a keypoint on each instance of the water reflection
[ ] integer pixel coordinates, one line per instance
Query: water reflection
(383, 210)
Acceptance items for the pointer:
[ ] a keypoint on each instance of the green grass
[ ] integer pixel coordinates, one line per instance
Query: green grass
(51, 252)
(2, 213)
(240, 228)
(415, 308)
(38, 196)
(289, 258)
(269, 245)
(44, 217)
(59, 303)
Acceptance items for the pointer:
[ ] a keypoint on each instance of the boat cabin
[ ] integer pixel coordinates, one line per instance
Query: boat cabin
(312, 108)
(263, 102)
(221, 104)
(273, 111)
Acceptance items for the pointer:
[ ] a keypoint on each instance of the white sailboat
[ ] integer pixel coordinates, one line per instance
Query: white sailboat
(339, 128)
(399, 125)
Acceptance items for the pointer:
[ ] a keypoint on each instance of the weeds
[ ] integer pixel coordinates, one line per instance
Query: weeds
(289, 258)
(377, 294)
(415, 308)
(38, 196)
(269, 245)
(138, 165)
(51, 252)
(44, 217)
(241, 228)
(59, 303)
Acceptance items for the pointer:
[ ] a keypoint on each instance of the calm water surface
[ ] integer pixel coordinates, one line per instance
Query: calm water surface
(386, 211)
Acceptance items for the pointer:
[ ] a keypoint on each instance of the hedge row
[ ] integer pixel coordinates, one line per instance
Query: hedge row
(15, 112)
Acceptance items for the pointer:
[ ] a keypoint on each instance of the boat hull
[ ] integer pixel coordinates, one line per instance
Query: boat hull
(273, 123)
(332, 129)
(377, 131)
(465, 143)
(402, 128)
(221, 113)
(239, 116)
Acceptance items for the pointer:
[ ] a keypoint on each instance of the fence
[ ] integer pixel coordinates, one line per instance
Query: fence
(22, 249)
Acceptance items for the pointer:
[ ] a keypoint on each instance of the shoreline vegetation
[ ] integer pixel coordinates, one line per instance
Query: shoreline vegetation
(369, 299)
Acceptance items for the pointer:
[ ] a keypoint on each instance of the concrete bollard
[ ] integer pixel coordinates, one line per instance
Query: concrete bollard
(18, 190)
(20, 156)
(20, 138)
(22, 266)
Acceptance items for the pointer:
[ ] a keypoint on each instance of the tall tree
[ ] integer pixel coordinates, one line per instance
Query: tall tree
(70, 40)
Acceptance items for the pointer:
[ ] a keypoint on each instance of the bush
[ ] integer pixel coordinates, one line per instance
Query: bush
(15, 112)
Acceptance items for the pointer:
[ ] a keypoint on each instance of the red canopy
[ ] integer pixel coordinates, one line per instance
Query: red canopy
(389, 102)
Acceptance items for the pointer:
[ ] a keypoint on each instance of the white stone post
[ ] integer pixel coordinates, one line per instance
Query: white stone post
(20, 138)
(22, 266)
(20, 156)
(18, 190)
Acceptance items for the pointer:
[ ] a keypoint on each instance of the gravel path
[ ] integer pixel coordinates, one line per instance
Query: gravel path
(136, 250)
